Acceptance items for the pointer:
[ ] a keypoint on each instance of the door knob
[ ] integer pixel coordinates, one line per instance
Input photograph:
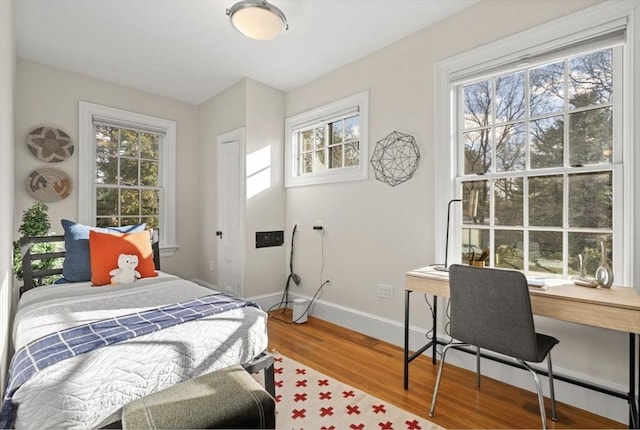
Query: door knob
(219, 234)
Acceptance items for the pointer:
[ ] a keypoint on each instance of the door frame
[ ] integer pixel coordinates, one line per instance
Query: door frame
(228, 137)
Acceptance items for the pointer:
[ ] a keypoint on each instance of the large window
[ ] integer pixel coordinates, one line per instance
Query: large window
(328, 144)
(537, 151)
(128, 187)
(127, 170)
(538, 144)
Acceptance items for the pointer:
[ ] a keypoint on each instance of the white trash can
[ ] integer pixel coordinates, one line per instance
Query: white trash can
(299, 310)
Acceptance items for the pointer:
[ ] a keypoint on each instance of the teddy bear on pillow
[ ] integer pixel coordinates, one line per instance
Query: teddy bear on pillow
(126, 272)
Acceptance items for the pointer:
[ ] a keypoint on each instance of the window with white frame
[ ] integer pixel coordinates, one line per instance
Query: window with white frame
(536, 146)
(539, 146)
(127, 183)
(127, 170)
(328, 144)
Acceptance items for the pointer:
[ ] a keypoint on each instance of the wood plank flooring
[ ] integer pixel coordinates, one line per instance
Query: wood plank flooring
(376, 367)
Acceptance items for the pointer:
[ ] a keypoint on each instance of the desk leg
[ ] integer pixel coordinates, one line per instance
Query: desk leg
(407, 295)
(434, 351)
(431, 344)
(633, 404)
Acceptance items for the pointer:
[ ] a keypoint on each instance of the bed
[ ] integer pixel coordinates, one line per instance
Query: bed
(88, 390)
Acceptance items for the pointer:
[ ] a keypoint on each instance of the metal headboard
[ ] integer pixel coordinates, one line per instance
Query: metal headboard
(30, 274)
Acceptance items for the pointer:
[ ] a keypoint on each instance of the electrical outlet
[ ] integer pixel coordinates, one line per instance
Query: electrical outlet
(211, 265)
(326, 278)
(385, 291)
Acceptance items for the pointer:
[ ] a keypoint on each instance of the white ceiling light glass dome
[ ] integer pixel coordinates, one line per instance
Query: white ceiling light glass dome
(257, 19)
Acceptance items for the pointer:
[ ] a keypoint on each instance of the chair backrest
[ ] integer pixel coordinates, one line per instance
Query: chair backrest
(491, 308)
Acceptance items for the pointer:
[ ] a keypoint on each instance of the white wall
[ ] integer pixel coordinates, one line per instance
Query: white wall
(375, 233)
(7, 91)
(260, 109)
(49, 96)
(265, 267)
(221, 114)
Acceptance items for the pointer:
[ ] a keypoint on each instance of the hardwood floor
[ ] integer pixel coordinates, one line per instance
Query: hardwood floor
(376, 367)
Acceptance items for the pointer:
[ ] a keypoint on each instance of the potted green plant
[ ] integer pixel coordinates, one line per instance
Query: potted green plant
(35, 222)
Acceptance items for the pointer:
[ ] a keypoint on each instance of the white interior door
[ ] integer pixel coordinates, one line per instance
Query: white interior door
(231, 212)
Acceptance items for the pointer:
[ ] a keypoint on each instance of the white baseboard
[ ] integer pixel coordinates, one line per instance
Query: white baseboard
(393, 332)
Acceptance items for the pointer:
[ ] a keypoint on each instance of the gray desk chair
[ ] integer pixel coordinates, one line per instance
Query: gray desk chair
(491, 309)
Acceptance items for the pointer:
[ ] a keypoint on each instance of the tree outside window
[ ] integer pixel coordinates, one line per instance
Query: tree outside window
(330, 146)
(128, 188)
(537, 148)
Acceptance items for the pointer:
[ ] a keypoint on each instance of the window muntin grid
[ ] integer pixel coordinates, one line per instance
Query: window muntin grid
(127, 176)
(537, 146)
(330, 146)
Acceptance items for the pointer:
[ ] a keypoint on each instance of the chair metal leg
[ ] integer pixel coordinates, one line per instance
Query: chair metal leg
(552, 394)
(478, 366)
(440, 366)
(536, 379)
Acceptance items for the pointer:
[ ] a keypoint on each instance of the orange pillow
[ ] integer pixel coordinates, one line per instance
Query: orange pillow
(104, 249)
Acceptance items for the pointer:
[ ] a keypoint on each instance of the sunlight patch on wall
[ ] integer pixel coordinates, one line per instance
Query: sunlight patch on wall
(258, 171)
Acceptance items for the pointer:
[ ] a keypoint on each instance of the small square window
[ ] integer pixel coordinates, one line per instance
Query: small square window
(328, 144)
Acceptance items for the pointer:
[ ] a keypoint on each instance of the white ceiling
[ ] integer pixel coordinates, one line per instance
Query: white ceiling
(188, 51)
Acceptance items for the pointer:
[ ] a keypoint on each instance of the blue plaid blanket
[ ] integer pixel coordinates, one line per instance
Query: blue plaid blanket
(58, 346)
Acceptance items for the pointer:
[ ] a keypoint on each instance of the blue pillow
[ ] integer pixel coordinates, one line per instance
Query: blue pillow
(77, 263)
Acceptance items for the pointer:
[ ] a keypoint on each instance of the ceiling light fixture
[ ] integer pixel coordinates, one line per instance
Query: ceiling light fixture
(257, 19)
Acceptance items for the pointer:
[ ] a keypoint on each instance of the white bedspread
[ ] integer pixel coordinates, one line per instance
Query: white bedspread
(89, 390)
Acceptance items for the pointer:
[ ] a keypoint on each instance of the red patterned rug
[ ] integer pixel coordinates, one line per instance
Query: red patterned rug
(307, 399)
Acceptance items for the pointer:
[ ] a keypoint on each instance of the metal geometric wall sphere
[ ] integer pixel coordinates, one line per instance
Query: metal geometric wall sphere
(395, 158)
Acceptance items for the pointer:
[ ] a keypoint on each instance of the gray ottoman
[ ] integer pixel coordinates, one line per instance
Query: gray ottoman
(228, 398)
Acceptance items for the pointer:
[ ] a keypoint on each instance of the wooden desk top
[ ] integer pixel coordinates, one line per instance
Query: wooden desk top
(616, 308)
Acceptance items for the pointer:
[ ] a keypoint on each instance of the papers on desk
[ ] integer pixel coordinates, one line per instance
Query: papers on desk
(544, 282)
(430, 272)
(536, 282)
(434, 272)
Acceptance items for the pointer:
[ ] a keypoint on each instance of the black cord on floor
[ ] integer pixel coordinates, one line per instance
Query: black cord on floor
(292, 276)
(315, 297)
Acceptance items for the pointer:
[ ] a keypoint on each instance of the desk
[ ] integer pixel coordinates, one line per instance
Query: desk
(615, 309)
